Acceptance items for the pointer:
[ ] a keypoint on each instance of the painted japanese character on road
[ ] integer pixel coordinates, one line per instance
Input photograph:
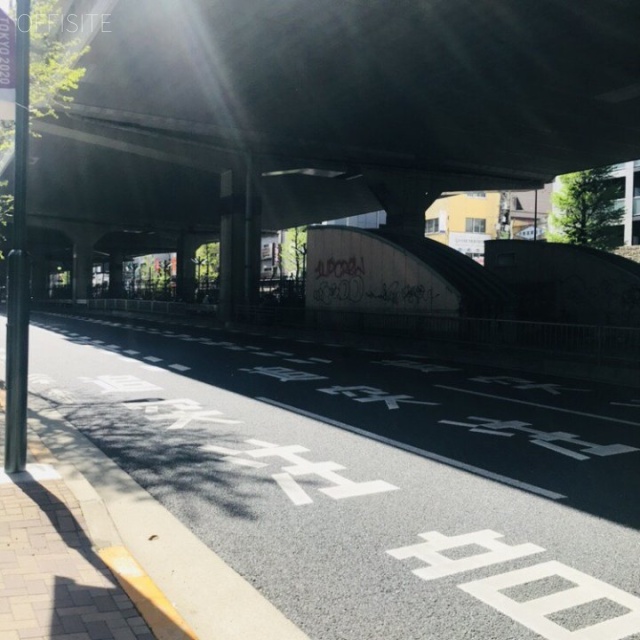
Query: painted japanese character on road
(284, 374)
(544, 439)
(366, 394)
(340, 488)
(553, 388)
(181, 413)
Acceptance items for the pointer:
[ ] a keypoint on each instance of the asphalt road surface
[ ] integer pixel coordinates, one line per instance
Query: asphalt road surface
(370, 494)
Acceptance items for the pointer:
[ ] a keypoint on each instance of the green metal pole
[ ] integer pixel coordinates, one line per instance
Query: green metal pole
(18, 267)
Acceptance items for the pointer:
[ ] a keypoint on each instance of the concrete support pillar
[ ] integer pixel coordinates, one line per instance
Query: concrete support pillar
(40, 275)
(240, 240)
(82, 270)
(628, 202)
(116, 275)
(405, 197)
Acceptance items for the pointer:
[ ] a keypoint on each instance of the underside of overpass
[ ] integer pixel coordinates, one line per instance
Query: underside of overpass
(215, 119)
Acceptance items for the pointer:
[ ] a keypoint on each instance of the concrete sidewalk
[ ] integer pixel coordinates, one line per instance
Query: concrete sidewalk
(70, 528)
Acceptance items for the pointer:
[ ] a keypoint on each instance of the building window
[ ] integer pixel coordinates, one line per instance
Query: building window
(432, 225)
(475, 225)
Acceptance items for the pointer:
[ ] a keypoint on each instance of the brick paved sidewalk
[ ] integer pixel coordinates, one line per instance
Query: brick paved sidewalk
(53, 586)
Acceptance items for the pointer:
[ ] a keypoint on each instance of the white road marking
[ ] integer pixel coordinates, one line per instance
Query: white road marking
(126, 383)
(152, 359)
(225, 451)
(243, 462)
(440, 565)
(179, 367)
(284, 354)
(536, 404)
(323, 360)
(532, 613)
(130, 352)
(294, 491)
(420, 452)
(633, 403)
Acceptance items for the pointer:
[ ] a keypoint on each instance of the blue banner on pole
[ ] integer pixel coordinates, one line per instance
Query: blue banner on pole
(7, 67)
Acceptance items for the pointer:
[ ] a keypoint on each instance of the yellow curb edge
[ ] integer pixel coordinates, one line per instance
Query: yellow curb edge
(164, 621)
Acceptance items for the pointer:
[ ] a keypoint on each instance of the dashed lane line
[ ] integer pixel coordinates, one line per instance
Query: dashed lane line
(179, 367)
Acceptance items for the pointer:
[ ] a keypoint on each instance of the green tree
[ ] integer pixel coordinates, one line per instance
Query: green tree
(208, 261)
(54, 76)
(586, 209)
(293, 253)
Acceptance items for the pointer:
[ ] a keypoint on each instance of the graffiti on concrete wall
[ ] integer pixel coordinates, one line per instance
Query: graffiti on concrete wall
(332, 268)
(346, 290)
(340, 280)
(396, 294)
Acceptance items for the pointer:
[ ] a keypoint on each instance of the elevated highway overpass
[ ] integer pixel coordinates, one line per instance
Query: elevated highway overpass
(216, 118)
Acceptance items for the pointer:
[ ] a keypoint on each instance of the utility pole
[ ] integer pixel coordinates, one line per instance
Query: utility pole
(18, 266)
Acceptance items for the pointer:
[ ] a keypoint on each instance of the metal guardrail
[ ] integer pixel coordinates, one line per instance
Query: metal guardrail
(592, 342)
(589, 341)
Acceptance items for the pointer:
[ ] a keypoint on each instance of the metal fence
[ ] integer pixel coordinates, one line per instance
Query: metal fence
(591, 342)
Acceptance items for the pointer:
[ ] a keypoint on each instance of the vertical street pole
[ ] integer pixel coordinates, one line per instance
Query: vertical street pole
(18, 264)
(248, 226)
(535, 217)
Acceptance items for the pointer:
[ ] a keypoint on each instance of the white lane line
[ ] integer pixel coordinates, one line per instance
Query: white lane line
(131, 352)
(179, 367)
(152, 359)
(536, 404)
(333, 345)
(294, 491)
(305, 341)
(283, 353)
(371, 350)
(420, 452)
(323, 360)
(410, 355)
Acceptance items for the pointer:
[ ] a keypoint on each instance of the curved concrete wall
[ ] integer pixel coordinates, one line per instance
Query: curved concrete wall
(564, 283)
(352, 270)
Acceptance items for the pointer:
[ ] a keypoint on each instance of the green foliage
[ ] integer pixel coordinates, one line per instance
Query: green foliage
(208, 262)
(586, 209)
(54, 76)
(293, 252)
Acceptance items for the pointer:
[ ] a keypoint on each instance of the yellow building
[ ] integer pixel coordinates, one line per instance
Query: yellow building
(464, 221)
